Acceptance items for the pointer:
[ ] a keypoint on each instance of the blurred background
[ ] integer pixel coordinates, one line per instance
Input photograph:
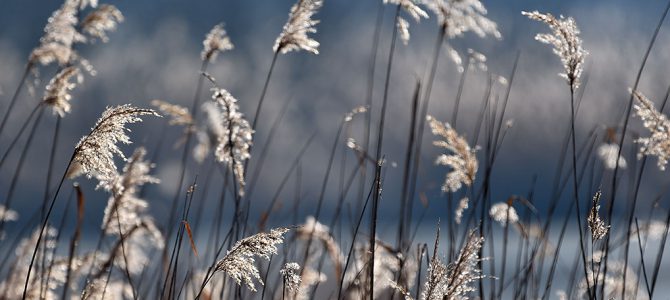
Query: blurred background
(155, 54)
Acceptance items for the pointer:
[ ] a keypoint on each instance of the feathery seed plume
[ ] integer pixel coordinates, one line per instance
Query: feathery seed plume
(291, 275)
(566, 42)
(463, 272)
(178, 114)
(357, 110)
(294, 35)
(234, 144)
(503, 212)
(13, 284)
(209, 134)
(60, 34)
(658, 143)
(310, 277)
(411, 7)
(612, 281)
(608, 154)
(7, 214)
(94, 154)
(239, 261)
(124, 206)
(313, 229)
(455, 57)
(387, 263)
(477, 59)
(596, 224)
(403, 30)
(84, 3)
(463, 161)
(100, 288)
(454, 281)
(216, 41)
(459, 17)
(652, 230)
(462, 206)
(100, 21)
(435, 285)
(57, 94)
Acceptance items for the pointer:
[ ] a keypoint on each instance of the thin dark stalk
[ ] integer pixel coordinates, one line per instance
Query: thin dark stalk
(210, 271)
(549, 281)
(260, 160)
(380, 140)
(15, 96)
(459, 94)
(19, 167)
(506, 100)
(633, 205)
(44, 283)
(125, 256)
(52, 155)
(556, 191)
(18, 135)
(376, 39)
(576, 189)
(184, 154)
(421, 250)
(322, 193)
(275, 55)
(44, 224)
(266, 215)
(74, 241)
(644, 268)
(659, 256)
(422, 124)
(504, 254)
(265, 278)
(479, 122)
(404, 203)
(623, 137)
(185, 212)
(353, 243)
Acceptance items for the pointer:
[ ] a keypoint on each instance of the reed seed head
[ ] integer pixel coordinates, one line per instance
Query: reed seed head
(57, 94)
(60, 34)
(597, 225)
(658, 142)
(102, 20)
(566, 42)
(95, 152)
(237, 136)
(458, 17)
(291, 275)
(294, 36)
(239, 262)
(216, 41)
(462, 160)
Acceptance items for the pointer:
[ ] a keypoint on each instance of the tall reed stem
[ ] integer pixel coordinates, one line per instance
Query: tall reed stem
(378, 157)
(576, 189)
(15, 96)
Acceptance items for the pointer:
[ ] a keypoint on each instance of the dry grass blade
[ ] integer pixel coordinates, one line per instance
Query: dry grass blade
(187, 226)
